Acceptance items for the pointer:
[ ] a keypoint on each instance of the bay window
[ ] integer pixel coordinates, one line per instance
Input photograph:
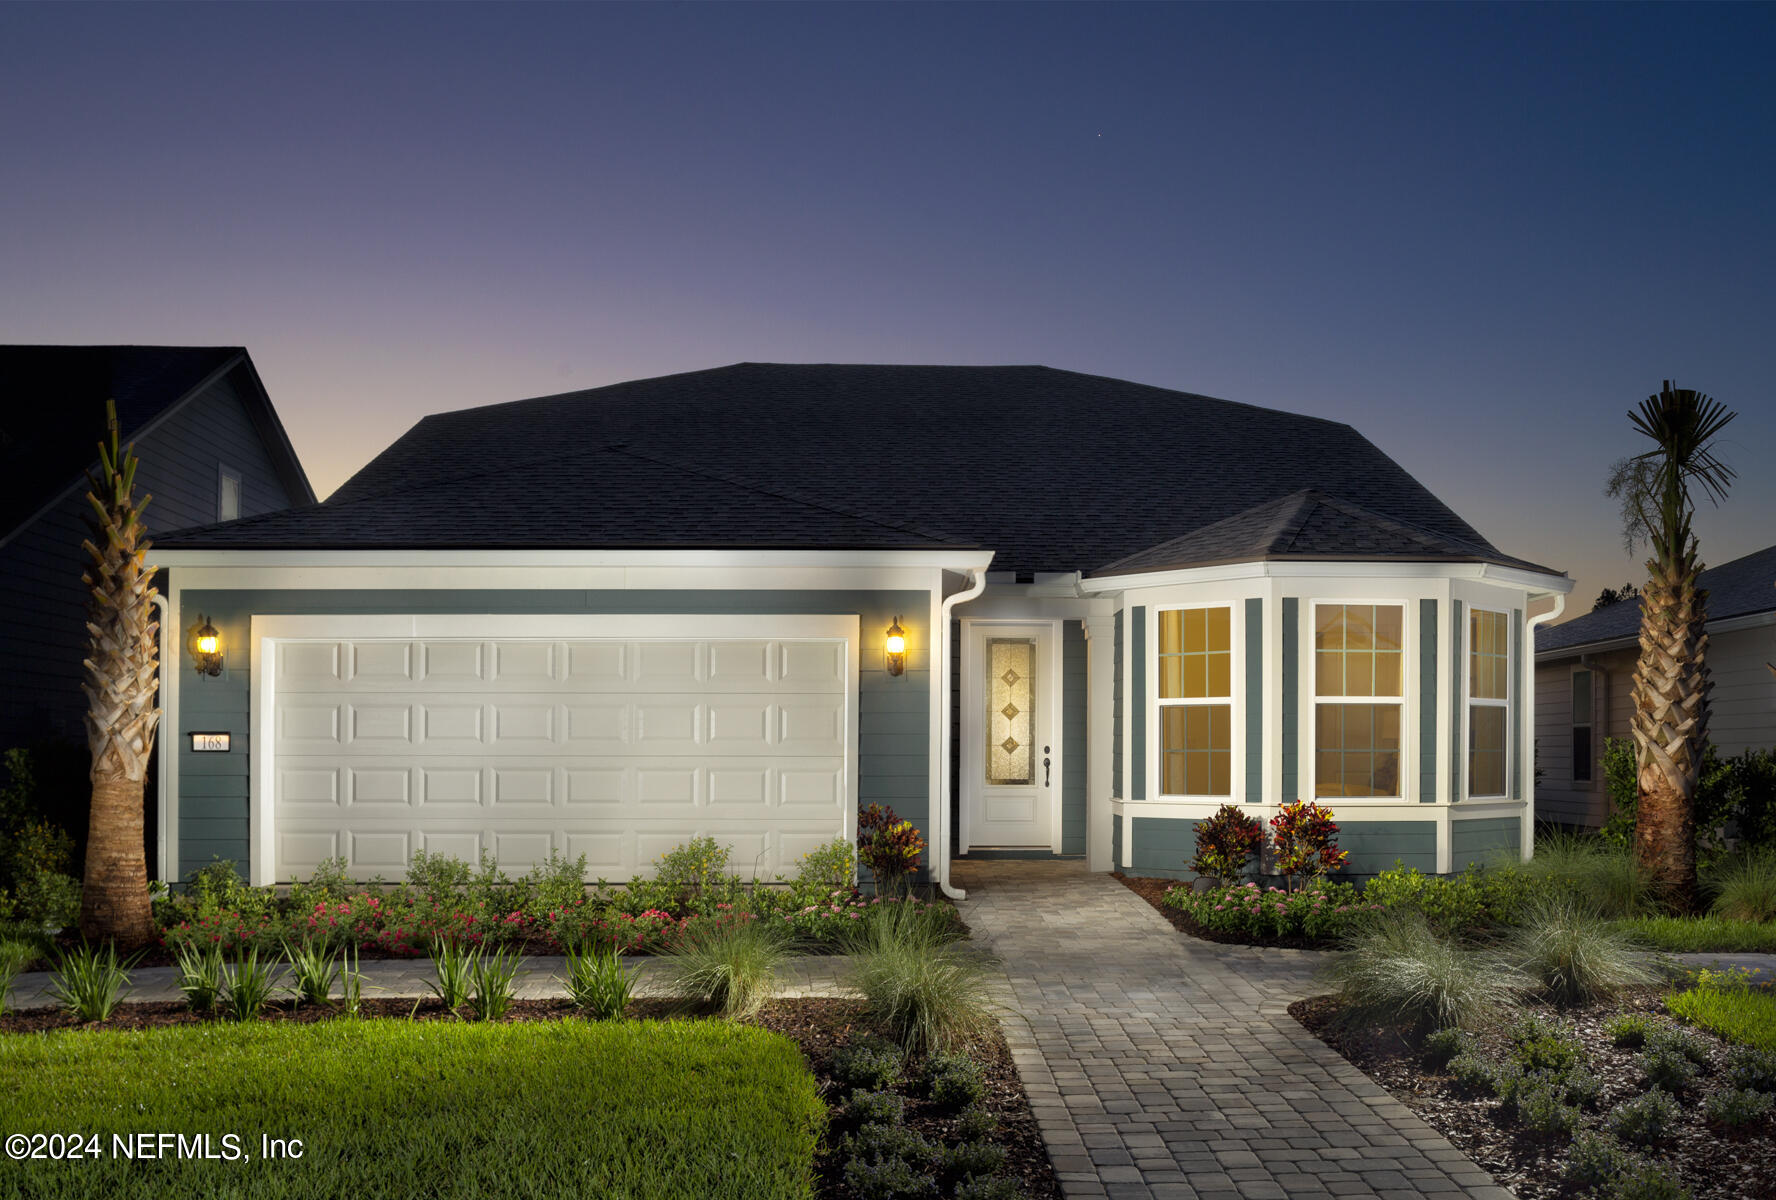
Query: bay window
(1489, 691)
(1196, 701)
(1358, 664)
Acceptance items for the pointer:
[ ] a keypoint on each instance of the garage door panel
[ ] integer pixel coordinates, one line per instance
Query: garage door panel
(619, 749)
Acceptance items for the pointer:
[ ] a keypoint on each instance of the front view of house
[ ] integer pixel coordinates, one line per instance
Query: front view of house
(1036, 612)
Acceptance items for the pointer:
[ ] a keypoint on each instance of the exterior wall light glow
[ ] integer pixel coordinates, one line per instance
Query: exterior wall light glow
(206, 648)
(894, 649)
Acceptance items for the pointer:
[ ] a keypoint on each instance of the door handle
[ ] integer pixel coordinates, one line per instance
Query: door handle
(1045, 764)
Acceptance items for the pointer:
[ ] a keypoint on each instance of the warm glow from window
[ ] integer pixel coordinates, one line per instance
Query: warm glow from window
(1358, 649)
(1195, 715)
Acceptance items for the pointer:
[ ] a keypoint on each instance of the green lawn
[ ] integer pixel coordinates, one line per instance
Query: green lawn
(398, 1108)
(1741, 1015)
(1716, 935)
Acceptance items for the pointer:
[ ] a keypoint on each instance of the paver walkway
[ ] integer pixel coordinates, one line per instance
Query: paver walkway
(1167, 1067)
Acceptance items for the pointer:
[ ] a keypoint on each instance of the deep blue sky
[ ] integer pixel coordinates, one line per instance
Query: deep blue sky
(1479, 234)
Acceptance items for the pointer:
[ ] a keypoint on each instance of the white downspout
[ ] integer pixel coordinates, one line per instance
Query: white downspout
(977, 583)
(1527, 838)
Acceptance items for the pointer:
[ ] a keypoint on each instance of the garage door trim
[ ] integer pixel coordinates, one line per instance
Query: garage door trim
(268, 631)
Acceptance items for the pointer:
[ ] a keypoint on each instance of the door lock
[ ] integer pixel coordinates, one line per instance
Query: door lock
(1045, 764)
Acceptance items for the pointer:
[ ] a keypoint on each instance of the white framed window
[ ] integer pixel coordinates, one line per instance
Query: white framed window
(1581, 726)
(1196, 669)
(1359, 653)
(228, 494)
(1489, 702)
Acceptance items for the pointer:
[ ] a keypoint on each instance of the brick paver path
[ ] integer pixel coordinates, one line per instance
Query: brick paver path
(1167, 1067)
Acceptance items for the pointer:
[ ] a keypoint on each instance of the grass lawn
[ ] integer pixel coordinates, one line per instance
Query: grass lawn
(1717, 935)
(1742, 1015)
(396, 1108)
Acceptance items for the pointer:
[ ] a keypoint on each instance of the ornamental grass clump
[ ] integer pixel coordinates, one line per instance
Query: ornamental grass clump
(730, 964)
(1590, 869)
(200, 976)
(492, 984)
(91, 983)
(14, 956)
(247, 987)
(1574, 956)
(314, 969)
(930, 994)
(597, 982)
(1745, 887)
(453, 963)
(1226, 843)
(1395, 970)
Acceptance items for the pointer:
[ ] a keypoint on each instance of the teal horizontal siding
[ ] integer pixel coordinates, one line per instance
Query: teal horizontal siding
(1374, 845)
(894, 713)
(1116, 843)
(1484, 840)
(1073, 718)
(1163, 846)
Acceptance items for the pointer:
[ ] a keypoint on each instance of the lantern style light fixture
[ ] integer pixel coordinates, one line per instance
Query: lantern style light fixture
(894, 649)
(206, 648)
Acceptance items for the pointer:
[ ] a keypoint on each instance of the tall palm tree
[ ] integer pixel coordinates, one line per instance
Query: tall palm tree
(1671, 685)
(121, 679)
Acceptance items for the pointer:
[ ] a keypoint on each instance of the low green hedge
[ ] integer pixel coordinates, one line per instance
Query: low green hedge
(397, 1108)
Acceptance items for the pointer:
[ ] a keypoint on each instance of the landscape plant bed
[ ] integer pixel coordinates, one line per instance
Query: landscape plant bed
(819, 1027)
(1712, 1163)
(1153, 890)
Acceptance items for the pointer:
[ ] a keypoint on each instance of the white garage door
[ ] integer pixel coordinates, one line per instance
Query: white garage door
(615, 747)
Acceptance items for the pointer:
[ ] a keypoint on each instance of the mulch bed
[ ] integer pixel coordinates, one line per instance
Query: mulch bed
(1153, 891)
(1714, 1165)
(819, 1026)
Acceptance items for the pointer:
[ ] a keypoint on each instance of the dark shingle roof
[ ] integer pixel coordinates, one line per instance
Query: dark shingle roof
(52, 409)
(1052, 470)
(1309, 526)
(1735, 589)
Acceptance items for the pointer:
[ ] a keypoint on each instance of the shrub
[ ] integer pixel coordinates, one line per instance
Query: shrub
(994, 1187)
(692, 870)
(975, 1123)
(730, 964)
(1443, 1045)
(247, 987)
(1648, 1181)
(1543, 1110)
(90, 983)
(1737, 1107)
(218, 888)
(439, 877)
(1630, 1030)
(1644, 1120)
(1582, 1087)
(1396, 970)
(313, 971)
(598, 984)
(1745, 887)
(554, 884)
(1725, 1004)
(1683, 1042)
(954, 1082)
(1453, 905)
(823, 873)
(37, 887)
(1662, 1067)
(1317, 910)
(971, 1160)
(1574, 956)
(880, 1142)
(1225, 844)
(14, 957)
(1752, 1069)
(873, 1108)
(889, 847)
(1595, 1160)
(1541, 1046)
(330, 883)
(1475, 1073)
(887, 1179)
(452, 962)
(1304, 839)
(492, 984)
(869, 1063)
(930, 994)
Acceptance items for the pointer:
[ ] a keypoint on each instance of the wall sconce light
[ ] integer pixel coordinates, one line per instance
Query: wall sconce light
(894, 649)
(206, 648)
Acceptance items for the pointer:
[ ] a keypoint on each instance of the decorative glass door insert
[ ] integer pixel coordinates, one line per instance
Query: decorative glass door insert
(1011, 711)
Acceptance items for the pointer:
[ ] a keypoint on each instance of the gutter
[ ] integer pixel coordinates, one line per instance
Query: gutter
(977, 583)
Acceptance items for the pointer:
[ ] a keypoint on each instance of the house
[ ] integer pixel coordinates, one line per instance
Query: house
(1036, 612)
(211, 447)
(1584, 677)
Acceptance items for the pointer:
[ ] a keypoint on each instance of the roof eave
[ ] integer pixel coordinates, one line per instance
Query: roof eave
(1535, 579)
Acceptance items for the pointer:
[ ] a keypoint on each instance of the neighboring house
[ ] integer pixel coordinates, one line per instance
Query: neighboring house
(1585, 685)
(604, 622)
(211, 448)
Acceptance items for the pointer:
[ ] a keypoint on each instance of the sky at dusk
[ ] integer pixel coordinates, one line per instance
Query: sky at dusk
(1480, 234)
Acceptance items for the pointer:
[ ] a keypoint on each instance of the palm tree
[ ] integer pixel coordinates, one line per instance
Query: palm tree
(121, 678)
(1671, 685)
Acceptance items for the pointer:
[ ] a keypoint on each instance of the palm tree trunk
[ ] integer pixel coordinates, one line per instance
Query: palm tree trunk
(1669, 725)
(114, 902)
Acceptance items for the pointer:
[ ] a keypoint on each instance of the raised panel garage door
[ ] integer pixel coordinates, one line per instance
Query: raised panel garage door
(615, 748)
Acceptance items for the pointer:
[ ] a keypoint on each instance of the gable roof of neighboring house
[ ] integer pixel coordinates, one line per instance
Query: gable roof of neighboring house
(52, 413)
(1052, 470)
(1735, 589)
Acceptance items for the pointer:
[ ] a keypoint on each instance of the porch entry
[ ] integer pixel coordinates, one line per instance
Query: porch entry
(1010, 764)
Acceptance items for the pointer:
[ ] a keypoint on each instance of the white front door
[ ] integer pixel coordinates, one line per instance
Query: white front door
(1011, 727)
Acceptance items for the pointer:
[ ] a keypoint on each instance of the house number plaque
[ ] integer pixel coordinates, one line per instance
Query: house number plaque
(209, 743)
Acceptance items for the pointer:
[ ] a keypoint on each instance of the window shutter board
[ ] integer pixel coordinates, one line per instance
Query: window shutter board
(1118, 785)
(1427, 701)
(1138, 686)
(1457, 708)
(1254, 701)
(1291, 699)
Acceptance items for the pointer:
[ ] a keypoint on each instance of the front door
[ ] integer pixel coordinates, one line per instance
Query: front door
(1010, 763)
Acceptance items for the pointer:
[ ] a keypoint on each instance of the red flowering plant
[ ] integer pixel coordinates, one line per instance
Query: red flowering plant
(889, 847)
(1304, 839)
(1225, 843)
